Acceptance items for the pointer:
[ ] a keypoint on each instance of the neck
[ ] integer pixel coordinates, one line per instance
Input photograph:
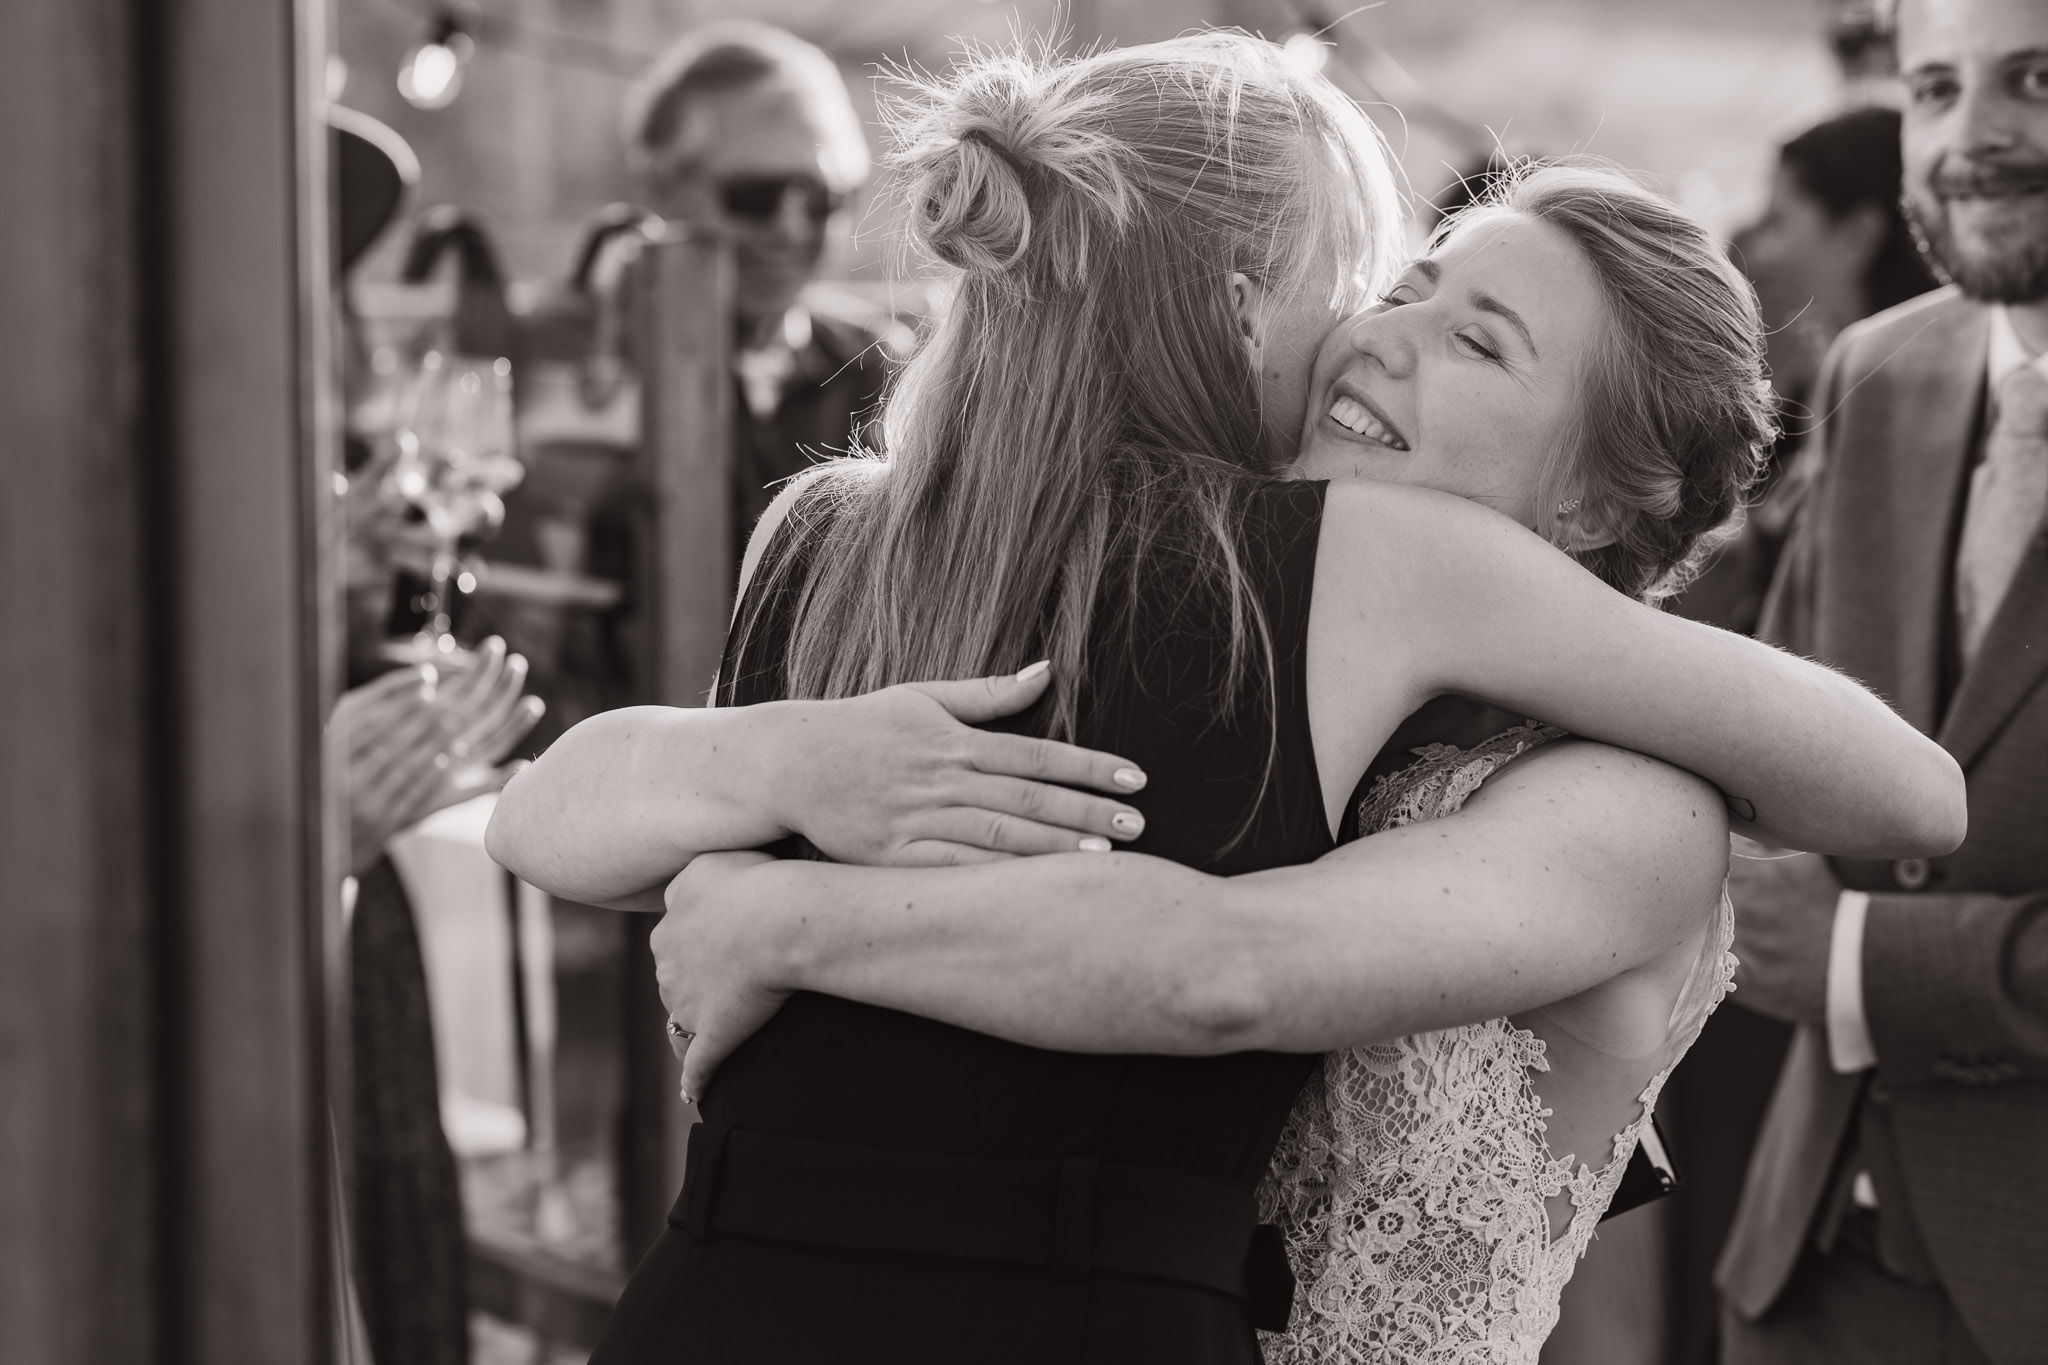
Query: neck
(2030, 320)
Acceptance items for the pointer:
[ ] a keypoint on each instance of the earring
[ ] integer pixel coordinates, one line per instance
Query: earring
(1568, 506)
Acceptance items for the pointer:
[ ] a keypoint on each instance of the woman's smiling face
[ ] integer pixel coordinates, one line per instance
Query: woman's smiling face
(1465, 375)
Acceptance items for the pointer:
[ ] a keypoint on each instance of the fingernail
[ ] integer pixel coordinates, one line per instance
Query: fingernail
(535, 707)
(495, 645)
(1130, 779)
(1032, 672)
(1095, 843)
(516, 665)
(1127, 822)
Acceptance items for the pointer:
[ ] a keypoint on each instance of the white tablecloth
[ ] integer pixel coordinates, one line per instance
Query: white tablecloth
(459, 900)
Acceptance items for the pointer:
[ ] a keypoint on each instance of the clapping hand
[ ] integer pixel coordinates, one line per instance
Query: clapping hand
(420, 739)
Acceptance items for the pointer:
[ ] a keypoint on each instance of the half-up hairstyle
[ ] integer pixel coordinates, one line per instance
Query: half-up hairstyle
(1676, 416)
(1086, 400)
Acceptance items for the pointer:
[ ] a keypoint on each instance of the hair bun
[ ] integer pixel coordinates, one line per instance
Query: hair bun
(972, 208)
(1011, 169)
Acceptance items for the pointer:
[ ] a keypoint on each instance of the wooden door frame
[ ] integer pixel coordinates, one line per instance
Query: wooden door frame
(238, 165)
(164, 1191)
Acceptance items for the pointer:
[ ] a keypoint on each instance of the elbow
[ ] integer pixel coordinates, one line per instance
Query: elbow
(1224, 1012)
(501, 839)
(1943, 810)
(1221, 995)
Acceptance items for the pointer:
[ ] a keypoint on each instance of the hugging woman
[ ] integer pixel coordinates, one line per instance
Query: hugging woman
(1031, 1117)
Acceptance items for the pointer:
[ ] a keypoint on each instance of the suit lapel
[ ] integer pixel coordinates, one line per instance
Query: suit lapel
(1939, 395)
(2009, 662)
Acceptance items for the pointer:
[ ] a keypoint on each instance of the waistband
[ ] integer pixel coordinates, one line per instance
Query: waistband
(1075, 1217)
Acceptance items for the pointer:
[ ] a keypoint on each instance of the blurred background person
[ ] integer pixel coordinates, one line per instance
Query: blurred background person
(1897, 1206)
(747, 132)
(1832, 245)
(1830, 248)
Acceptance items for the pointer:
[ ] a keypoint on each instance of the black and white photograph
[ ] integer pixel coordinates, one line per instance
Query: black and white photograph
(1024, 682)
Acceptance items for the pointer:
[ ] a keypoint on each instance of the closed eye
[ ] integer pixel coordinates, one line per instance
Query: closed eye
(1400, 294)
(1477, 347)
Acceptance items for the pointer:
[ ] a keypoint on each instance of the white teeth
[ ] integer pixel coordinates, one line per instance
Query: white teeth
(1356, 417)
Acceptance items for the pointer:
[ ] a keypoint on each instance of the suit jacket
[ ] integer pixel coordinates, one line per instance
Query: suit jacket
(828, 405)
(1955, 957)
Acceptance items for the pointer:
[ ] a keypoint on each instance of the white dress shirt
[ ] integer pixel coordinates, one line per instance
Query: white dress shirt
(1849, 1044)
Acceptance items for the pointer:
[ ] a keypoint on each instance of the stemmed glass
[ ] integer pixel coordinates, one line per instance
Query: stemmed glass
(456, 456)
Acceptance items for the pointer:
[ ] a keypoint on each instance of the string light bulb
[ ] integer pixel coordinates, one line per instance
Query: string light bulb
(1306, 53)
(432, 75)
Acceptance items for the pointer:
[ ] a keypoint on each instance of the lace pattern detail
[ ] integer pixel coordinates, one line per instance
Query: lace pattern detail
(1411, 1181)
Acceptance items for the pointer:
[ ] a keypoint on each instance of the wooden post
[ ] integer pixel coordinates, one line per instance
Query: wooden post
(78, 1225)
(686, 572)
(688, 438)
(162, 1155)
(243, 444)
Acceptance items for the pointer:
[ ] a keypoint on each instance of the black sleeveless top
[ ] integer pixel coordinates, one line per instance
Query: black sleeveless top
(886, 1188)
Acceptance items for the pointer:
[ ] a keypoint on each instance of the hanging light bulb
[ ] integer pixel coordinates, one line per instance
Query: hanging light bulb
(1307, 53)
(432, 75)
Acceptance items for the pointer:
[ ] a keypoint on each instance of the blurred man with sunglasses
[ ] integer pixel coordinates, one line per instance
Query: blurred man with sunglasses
(748, 131)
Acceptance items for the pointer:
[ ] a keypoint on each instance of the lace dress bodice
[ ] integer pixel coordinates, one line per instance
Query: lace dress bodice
(1412, 1179)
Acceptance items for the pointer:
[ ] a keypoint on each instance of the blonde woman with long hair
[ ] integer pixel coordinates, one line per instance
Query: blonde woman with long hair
(1147, 248)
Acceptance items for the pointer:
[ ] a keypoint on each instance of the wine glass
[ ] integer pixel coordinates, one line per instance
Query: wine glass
(456, 456)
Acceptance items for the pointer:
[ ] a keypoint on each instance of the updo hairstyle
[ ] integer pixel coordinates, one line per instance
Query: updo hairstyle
(1676, 416)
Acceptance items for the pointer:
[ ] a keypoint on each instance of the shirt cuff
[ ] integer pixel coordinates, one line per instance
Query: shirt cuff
(1849, 1044)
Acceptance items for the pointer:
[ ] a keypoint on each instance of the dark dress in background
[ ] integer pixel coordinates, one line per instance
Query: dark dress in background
(860, 1088)
(410, 1257)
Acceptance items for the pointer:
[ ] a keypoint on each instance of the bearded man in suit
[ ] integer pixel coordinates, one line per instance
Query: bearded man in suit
(1897, 1205)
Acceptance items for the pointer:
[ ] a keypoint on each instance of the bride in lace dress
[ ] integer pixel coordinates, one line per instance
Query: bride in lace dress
(1427, 1213)
(1524, 931)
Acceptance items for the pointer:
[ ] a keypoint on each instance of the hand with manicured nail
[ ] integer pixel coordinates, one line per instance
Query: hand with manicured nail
(902, 778)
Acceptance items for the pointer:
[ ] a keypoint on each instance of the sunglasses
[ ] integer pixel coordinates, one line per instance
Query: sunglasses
(757, 199)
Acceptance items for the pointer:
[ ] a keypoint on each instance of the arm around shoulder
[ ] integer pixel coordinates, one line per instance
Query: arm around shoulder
(624, 800)
(1806, 756)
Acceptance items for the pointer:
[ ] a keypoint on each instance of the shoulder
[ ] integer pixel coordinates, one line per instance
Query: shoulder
(1414, 549)
(810, 494)
(1920, 329)
(1643, 819)
(1362, 514)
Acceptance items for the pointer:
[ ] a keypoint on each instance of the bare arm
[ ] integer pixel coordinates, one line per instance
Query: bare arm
(626, 799)
(1807, 757)
(1568, 869)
